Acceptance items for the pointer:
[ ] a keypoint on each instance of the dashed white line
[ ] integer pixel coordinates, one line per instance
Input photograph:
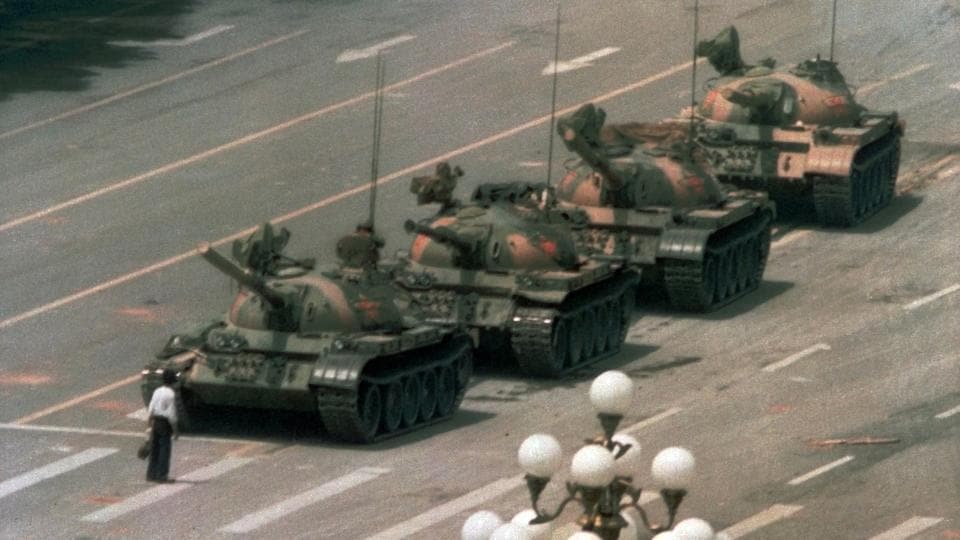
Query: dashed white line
(350, 55)
(579, 62)
(46, 472)
(931, 297)
(908, 528)
(189, 40)
(470, 500)
(948, 413)
(820, 470)
(256, 520)
(153, 84)
(653, 419)
(139, 414)
(158, 493)
(956, 85)
(794, 357)
(113, 433)
(787, 238)
(758, 521)
(866, 89)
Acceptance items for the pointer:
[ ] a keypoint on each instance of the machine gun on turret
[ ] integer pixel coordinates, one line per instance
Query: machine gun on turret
(580, 132)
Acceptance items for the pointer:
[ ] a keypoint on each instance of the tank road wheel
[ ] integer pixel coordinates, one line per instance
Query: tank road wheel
(575, 342)
(612, 326)
(744, 265)
(370, 409)
(751, 259)
(411, 399)
(588, 320)
(464, 372)
(428, 395)
(392, 406)
(559, 345)
(601, 315)
(446, 390)
(627, 300)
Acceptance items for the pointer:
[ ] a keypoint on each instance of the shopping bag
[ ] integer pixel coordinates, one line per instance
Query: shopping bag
(143, 451)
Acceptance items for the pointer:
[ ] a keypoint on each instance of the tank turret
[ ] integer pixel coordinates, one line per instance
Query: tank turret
(797, 132)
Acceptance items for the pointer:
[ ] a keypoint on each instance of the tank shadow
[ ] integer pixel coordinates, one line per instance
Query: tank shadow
(900, 206)
(57, 46)
(506, 370)
(765, 292)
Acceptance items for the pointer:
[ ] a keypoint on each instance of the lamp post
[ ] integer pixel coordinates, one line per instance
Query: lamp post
(601, 473)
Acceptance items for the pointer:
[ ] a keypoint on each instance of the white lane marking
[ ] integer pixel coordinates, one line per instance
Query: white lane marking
(948, 413)
(319, 204)
(532, 164)
(153, 84)
(794, 357)
(244, 140)
(908, 528)
(46, 472)
(189, 40)
(115, 433)
(653, 419)
(350, 55)
(931, 297)
(758, 521)
(866, 89)
(579, 62)
(71, 402)
(158, 493)
(449, 509)
(139, 414)
(256, 520)
(820, 470)
(956, 85)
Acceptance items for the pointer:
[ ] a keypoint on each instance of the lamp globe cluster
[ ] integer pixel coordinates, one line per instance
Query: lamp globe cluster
(600, 481)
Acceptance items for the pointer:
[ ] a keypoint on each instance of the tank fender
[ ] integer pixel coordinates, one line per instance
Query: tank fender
(339, 370)
(830, 160)
(683, 243)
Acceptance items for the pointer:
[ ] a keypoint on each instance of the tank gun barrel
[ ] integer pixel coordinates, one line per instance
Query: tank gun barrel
(580, 132)
(247, 280)
(443, 235)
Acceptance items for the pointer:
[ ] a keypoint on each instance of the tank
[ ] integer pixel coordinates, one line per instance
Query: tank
(649, 199)
(797, 133)
(505, 265)
(343, 343)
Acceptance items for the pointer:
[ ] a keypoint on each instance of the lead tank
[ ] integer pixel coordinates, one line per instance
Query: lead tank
(798, 133)
(506, 266)
(648, 199)
(344, 343)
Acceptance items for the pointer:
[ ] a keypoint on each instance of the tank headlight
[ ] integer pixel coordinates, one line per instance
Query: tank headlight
(338, 345)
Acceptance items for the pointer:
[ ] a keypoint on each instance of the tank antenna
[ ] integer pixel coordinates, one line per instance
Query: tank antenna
(693, 76)
(377, 123)
(553, 97)
(833, 28)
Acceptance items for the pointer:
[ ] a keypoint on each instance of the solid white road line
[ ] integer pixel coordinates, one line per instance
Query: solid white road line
(79, 399)
(139, 414)
(114, 433)
(653, 419)
(53, 469)
(794, 357)
(908, 528)
(350, 55)
(449, 509)
(189, 40)
(579, 62)
(820, 470)
(948, 413)
(931, 297)
(758, 521)
(866, 89)
(158, 493)
(154, 84)
(787, 238)
(256, 520)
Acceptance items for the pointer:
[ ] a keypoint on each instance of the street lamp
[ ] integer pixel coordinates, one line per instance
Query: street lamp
(601, 473)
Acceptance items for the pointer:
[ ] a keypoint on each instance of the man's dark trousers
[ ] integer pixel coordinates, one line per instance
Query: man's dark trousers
(160, 446)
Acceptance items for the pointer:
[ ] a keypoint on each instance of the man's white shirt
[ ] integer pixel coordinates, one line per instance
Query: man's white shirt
(162, 404)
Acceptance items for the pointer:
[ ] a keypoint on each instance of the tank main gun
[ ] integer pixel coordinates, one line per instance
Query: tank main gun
(443, 235)
(255, 284)
(580, 132)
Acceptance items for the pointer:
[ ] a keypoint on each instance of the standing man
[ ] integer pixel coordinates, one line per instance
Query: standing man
(162, 414)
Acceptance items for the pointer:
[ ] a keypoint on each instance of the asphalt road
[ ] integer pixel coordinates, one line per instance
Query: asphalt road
(190, 121)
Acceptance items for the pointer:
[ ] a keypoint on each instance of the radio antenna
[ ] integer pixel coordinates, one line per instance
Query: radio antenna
(377, 123)
(553, 97)
(693, 76)
(833, 28)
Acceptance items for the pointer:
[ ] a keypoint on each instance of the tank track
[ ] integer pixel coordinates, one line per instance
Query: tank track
(732, 266)
(847, 201)
(552, 341)
(415, 390)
